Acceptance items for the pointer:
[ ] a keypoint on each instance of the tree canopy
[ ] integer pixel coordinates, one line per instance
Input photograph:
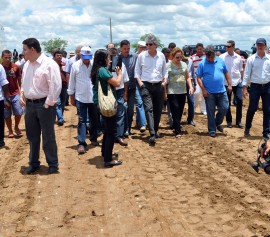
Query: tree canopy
(52, 44)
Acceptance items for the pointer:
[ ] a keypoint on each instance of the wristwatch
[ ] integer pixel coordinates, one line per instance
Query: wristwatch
(46, 106)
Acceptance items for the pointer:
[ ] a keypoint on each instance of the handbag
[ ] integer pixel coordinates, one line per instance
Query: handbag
(107, 103)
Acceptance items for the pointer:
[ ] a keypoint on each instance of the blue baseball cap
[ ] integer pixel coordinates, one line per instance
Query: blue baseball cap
(261, 41)
(86, 53)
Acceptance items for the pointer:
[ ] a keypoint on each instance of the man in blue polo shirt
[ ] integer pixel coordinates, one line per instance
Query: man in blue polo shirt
(210, 76)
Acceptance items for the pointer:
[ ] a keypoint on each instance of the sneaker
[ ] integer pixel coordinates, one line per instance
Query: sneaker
(142, 129)
(191, 123)
(126, 134)
(212, 134)
(81, 149)
(246, 133)
(239, 125)
(229, 125)
(152, 139)
(204, 112)
(220, 128)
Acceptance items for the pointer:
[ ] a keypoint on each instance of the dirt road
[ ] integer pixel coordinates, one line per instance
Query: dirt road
(191, 186)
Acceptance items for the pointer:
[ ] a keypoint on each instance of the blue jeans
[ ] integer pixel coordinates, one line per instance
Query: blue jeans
(258, 91)
(134, 98)
(219, 100)
(140, 114)
(238, 95)
(120, 115)
(83, 110)
(39, 120)
(60, 104)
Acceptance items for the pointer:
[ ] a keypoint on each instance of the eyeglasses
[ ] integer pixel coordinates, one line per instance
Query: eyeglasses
(179, 57)
(228, 46)
(149, 44)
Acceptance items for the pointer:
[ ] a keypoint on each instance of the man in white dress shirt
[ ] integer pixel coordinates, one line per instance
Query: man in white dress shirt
(41, 86)
(257, 75)
(4, 94)
(150, 71)
(234, 64)
(80, 90)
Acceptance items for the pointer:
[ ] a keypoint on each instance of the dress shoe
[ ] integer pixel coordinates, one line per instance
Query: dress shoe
(142, 129)
(229, 125)
(113, 163)
(53, 170)
(152, 139)
(246, 133)
(191, 123)
(266, 136)
(122, 142)
(60, 123)
(94, 143)
(239, 125)
(2, 143)
(81, 149)
(32, 170)
(220, 128)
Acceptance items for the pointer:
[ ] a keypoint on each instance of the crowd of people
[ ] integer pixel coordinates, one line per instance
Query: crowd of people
(40, 87)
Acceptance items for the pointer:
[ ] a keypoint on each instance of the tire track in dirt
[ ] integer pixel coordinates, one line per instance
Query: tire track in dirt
(16, 191)
(66, 203)
(180, 187)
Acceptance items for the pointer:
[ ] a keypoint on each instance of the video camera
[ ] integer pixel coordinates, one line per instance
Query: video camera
(264, 165)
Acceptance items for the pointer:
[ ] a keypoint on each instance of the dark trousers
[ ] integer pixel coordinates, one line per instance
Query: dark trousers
(153, 97)
(83, 110)
(238, 95)
(191, 109)
(37, 119)
(258, 91)
(120, 115)
(177, 104)
(108, 137)
(2, 120)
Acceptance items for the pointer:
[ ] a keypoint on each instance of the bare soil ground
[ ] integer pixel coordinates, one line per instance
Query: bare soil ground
(191, 186)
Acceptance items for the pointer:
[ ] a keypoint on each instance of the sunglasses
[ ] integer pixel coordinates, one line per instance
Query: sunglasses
(228, 46)
(149, 44)
(178, 57)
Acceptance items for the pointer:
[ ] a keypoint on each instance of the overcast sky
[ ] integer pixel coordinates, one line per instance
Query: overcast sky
(87, 21)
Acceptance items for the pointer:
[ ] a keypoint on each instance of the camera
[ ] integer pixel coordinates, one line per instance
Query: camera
(259, 163)
(116, 59)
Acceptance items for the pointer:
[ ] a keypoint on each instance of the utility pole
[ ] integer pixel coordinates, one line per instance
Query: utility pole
(111, 30)
(2, 37)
